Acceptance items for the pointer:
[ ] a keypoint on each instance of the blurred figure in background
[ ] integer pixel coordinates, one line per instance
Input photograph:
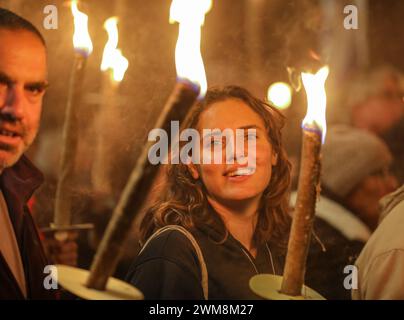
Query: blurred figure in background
(355, 176)
(381, 263)
(88, 206)
(374, 101)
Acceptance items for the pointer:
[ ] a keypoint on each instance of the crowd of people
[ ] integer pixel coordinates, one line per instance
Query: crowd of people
(214, 226)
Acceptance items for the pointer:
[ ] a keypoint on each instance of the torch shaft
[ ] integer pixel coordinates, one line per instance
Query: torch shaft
(135, 192)
(70, 139)
(303, 216)
(107, 137)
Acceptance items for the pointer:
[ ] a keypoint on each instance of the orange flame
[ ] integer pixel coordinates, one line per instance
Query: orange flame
(190, 14)
(316, 99)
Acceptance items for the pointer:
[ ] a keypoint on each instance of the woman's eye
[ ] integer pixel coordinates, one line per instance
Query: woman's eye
(216, 142)
(211, 142)
(251, 136)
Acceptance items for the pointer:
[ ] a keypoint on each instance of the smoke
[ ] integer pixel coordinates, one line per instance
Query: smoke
(303, 29)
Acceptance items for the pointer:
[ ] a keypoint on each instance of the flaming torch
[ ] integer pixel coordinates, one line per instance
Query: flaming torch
(314, 129)
(188, 59)
(112, 59)
(191, 83)
(114, 65)
(83, 48)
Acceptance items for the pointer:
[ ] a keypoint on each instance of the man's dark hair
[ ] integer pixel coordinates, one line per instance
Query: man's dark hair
(11, 21)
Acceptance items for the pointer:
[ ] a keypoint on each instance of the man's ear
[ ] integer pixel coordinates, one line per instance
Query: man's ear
(274, 159)
(193, 170)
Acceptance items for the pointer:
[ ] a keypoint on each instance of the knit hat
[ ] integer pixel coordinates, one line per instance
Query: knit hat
(349, 155)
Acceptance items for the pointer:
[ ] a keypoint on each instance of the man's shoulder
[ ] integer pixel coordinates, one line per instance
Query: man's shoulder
(387, 239)
(380, 264)
(389, 235)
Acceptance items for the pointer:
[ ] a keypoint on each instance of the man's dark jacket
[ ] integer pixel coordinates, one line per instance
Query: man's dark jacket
(18, 184)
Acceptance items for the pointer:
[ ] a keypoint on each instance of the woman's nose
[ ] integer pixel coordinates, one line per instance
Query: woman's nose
(236, 151)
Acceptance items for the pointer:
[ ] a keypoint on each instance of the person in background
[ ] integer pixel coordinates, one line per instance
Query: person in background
(355, 176)
(374, 102)
(381, 263)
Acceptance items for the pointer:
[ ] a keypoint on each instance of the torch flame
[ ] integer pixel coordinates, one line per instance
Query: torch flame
(112, 57)
(190, 14)
(81, 38)
(316, 99)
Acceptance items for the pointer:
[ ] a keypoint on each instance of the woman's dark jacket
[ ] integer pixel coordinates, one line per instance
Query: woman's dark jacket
(168, 268)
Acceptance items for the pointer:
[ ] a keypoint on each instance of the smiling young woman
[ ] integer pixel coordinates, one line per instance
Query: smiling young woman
(233, 220)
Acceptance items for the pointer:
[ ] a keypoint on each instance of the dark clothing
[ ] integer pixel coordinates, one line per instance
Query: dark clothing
(168, 268)
(325, 269)
(339, 238)
(18, 184)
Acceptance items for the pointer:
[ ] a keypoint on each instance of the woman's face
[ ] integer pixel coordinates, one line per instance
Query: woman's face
(227, 182)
